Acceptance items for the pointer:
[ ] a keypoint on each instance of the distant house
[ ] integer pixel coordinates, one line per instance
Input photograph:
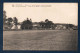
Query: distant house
(60, 26)
(36, 25)
(18, 25)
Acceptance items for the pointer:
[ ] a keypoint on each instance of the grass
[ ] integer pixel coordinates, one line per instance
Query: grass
(40, 40)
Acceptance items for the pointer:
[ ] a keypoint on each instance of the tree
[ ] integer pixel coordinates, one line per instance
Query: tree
(27, 24)
(48, 24)
(9, 22)
(10, 19)
(4, 17)
(15, 22)
(46, 20)
(42, 24)
(70, 26)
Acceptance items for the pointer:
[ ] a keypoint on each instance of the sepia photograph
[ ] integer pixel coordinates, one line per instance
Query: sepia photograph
(40, 26)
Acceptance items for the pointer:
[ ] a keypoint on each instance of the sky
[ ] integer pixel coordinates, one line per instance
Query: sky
(56, 12)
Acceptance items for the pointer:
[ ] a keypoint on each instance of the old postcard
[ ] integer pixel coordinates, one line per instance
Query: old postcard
(40, 26)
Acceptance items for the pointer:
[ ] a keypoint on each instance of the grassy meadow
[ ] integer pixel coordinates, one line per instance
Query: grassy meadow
(40, 40)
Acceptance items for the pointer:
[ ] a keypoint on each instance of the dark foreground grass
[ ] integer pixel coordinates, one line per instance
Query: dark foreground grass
(40, 40)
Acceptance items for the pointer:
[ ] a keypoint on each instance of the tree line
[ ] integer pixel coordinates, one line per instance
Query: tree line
(28, 24)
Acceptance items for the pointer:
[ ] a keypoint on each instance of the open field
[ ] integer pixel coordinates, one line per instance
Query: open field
(40, 40)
